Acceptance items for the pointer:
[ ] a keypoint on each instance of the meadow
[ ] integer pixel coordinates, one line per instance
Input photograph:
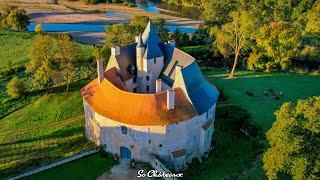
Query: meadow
(85, 168)
(237, 156)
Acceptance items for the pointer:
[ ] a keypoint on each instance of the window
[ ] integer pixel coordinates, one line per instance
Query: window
(124, 130)
(160, 145)
(135, 90)
(207, 115)
(149, 141)
(147, 88)
(155, 60)
(134, 79)
(147, 78)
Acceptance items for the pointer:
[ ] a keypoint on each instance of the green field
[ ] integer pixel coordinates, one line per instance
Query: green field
(15, 46)
(49, 129)
(260, 106)
(236, 156)
(86, 168)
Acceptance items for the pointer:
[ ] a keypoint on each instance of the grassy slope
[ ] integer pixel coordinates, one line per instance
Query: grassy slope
(26, 149)
(86, 168)
(261, 107)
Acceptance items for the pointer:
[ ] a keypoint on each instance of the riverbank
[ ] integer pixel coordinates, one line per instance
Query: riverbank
(77, 12)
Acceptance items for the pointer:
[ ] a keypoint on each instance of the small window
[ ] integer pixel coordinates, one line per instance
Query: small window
(134, 79)
(160, 145)
(207, 115)
(149, 141)
(155, 60)
(135, 90)
(147, 78)
(147, 88)
(124, 130)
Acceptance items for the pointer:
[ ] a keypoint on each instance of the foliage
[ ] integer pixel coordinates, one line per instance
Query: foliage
(119, 35)
(67, 58)
(294, 140)
(15, 88)
(139, 23)
(15, 18)
(41, 63)
(234, 36)
(38, 29)
(279, 41)
(181, 38)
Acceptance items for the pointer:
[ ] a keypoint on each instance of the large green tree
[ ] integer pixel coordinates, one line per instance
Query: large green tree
(41, 62)
(236, 35)
(119, 35)
(67, 58)
(15, 87)
(294, 141)
(279, 41)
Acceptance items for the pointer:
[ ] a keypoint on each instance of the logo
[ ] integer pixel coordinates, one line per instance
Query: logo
(158, 174)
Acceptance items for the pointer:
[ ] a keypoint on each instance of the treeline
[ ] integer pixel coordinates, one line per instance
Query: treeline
(120, 2)
(14, 18)
(264, 35)
(189, 3)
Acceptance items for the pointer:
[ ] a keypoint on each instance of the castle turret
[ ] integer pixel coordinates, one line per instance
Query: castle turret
(140, 52)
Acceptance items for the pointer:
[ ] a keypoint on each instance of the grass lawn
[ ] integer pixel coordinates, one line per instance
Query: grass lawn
(261, 107)
(15, 46)
(235, 155)
(49, 129)
(86, 168)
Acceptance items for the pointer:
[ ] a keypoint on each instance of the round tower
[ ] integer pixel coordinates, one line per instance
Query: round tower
(140, 52)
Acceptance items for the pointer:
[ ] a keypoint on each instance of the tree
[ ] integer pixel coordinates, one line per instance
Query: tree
(294, 141)
(161, 26)
(119, 35)
(41, 62)
(182, 39)
(139, 23)
(279, 41)
(15, 87)
(218, 11)
(67, 57)
(38, 29)
(15, 18)
(8, 65)
(235, 35)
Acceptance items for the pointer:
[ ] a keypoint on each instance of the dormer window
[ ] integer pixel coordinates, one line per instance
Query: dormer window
(147, 77)
(124, 130)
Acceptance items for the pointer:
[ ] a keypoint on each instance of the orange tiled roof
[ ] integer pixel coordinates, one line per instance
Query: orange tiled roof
(111, 100)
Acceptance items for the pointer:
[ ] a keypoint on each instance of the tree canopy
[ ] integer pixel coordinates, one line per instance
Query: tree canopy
(15, 18)
(294, 141)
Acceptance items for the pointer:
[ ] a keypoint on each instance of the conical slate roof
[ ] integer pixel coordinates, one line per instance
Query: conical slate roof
(152, 51)
(150, 34)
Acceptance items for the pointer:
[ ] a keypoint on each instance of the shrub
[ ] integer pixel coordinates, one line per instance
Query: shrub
(15, 88)
(38, 29)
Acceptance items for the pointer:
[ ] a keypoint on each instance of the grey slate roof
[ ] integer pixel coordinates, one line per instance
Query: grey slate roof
(202, 94)
(152, 51)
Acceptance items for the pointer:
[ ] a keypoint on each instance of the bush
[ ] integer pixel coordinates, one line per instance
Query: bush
(15, 88)
(38, 29)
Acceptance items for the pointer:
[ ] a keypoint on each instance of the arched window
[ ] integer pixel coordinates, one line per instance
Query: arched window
(124, 130)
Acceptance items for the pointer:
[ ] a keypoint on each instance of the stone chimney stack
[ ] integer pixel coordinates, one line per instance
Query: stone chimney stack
(100, 70)
(115, 51)
(170, 99)
(158, 85)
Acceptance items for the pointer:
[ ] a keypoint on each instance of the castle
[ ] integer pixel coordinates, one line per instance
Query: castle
(151, 99)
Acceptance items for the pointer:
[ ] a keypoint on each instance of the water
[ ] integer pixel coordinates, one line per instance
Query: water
(91, 28)
(117, 14)
(155, 6)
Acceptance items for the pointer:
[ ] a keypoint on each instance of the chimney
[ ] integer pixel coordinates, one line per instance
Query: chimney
(158, 85)
(115, 51)
(172, 43)
(170, 99)
(100, 70)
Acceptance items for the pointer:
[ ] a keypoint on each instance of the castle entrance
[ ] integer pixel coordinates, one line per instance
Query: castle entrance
(125, 153)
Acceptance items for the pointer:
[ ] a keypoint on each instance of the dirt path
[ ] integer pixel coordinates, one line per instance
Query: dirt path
(63, 122)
